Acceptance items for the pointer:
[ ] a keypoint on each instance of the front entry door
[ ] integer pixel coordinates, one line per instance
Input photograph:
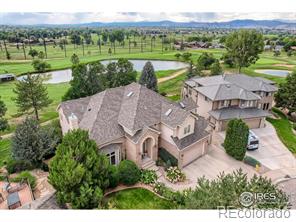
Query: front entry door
(145, 149)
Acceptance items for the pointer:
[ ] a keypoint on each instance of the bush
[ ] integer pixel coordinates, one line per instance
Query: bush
(174, 175)
(251, 161)
(15, 166)
(113, 176)
(2, 177)
(128, 172)
(168, 193)
(166, 156)
(148, 176)
(25, 176)
(236, 139)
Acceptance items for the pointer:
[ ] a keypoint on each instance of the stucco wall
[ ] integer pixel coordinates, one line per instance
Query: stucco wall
(204, 106)
(190, 120)
(63, 121)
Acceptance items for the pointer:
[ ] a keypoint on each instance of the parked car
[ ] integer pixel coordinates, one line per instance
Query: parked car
(253, 141)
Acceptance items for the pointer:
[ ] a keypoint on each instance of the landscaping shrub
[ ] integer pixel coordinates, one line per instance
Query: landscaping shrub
(251, 161)
(174, 175)
(2, 178)
(113, 176)
(166, 156)
(168, 193)
(128, 172)
(25, 176)
(148, 176)
(236, 139)
(14, 166)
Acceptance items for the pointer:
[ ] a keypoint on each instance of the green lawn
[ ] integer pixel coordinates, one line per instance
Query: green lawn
(137, 199)
(4, 151)
(284, 130)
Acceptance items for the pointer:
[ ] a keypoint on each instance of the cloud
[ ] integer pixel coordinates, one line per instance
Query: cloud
(83, 17)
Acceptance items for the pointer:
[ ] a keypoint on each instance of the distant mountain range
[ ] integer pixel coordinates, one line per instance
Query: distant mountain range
(247, 23)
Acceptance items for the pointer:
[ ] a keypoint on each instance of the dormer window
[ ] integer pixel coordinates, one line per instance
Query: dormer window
(187, 130)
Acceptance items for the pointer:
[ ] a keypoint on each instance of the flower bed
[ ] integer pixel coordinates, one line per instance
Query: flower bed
(174, 175)
(148, 177)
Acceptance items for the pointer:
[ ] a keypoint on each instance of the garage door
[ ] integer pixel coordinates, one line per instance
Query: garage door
(253, 123)
(192, 153)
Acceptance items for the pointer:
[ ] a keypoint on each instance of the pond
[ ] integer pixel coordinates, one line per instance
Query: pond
(65, 75)
(273, 72)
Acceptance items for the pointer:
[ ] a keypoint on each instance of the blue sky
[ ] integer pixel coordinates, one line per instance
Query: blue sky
(84, 17)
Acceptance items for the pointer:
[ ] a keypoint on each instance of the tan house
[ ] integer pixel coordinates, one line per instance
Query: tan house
(225, 97)
(133, 122)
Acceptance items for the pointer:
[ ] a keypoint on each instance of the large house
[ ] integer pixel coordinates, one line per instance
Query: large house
(225, 97)
(133, 122)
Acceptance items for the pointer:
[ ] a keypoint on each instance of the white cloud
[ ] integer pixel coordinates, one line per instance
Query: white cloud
(83, 17)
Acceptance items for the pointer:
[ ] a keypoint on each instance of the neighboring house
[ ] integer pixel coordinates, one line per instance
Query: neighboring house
(225, 97)
(133, 122)
(14, 195)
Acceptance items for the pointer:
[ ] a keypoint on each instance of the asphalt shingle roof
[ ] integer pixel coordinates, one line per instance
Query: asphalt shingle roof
(134, 107)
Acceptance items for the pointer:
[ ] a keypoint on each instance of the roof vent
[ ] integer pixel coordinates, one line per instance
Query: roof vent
(182, 105)
(228, 85)
(130, 94)
(89, 109)
(168, 112)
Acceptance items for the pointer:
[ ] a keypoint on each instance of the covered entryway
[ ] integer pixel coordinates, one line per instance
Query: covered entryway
(147, 146)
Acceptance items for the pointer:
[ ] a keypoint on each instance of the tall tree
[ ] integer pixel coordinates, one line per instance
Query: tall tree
(33, 53)
(33, 143)
(286, 96)
(244, 46)
(24, 50)
(216, 68)
(87, 80)
(148, 77)
(236, 139)
(85, 172)
(120, 73)
(31, 94)
(3, 121)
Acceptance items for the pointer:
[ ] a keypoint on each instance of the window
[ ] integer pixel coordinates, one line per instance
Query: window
(112, 158)
(187, 130)
(267, 94)
(225, 103)
(190, 91)
(243, 103)
(206, 99)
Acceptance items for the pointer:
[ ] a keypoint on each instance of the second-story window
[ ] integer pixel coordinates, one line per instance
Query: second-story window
(186, 129)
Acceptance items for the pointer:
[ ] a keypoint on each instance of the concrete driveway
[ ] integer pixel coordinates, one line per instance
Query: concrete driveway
(272, 153)
(215, 162)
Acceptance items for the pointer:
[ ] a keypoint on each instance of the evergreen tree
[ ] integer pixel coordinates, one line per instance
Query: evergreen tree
(87, 80)
(226, 190)
(148, 77)
(236, 139)
(286, 96)
(78, 172)
(31, 94)
(32, 143)
(3, 121)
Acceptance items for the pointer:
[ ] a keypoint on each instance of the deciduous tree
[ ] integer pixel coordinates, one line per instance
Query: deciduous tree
(244, 46)
(3, 121)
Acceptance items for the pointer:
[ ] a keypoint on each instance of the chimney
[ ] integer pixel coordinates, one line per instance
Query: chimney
(73, 121)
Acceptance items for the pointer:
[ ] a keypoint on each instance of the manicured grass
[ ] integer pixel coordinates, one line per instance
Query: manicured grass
(284, 130)
(4, 151)
(138, 198)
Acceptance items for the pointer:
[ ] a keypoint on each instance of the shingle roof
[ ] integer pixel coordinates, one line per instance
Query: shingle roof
(199, 133)
(236, 112)
(244, 81)
(226, 91)
(105, 114)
